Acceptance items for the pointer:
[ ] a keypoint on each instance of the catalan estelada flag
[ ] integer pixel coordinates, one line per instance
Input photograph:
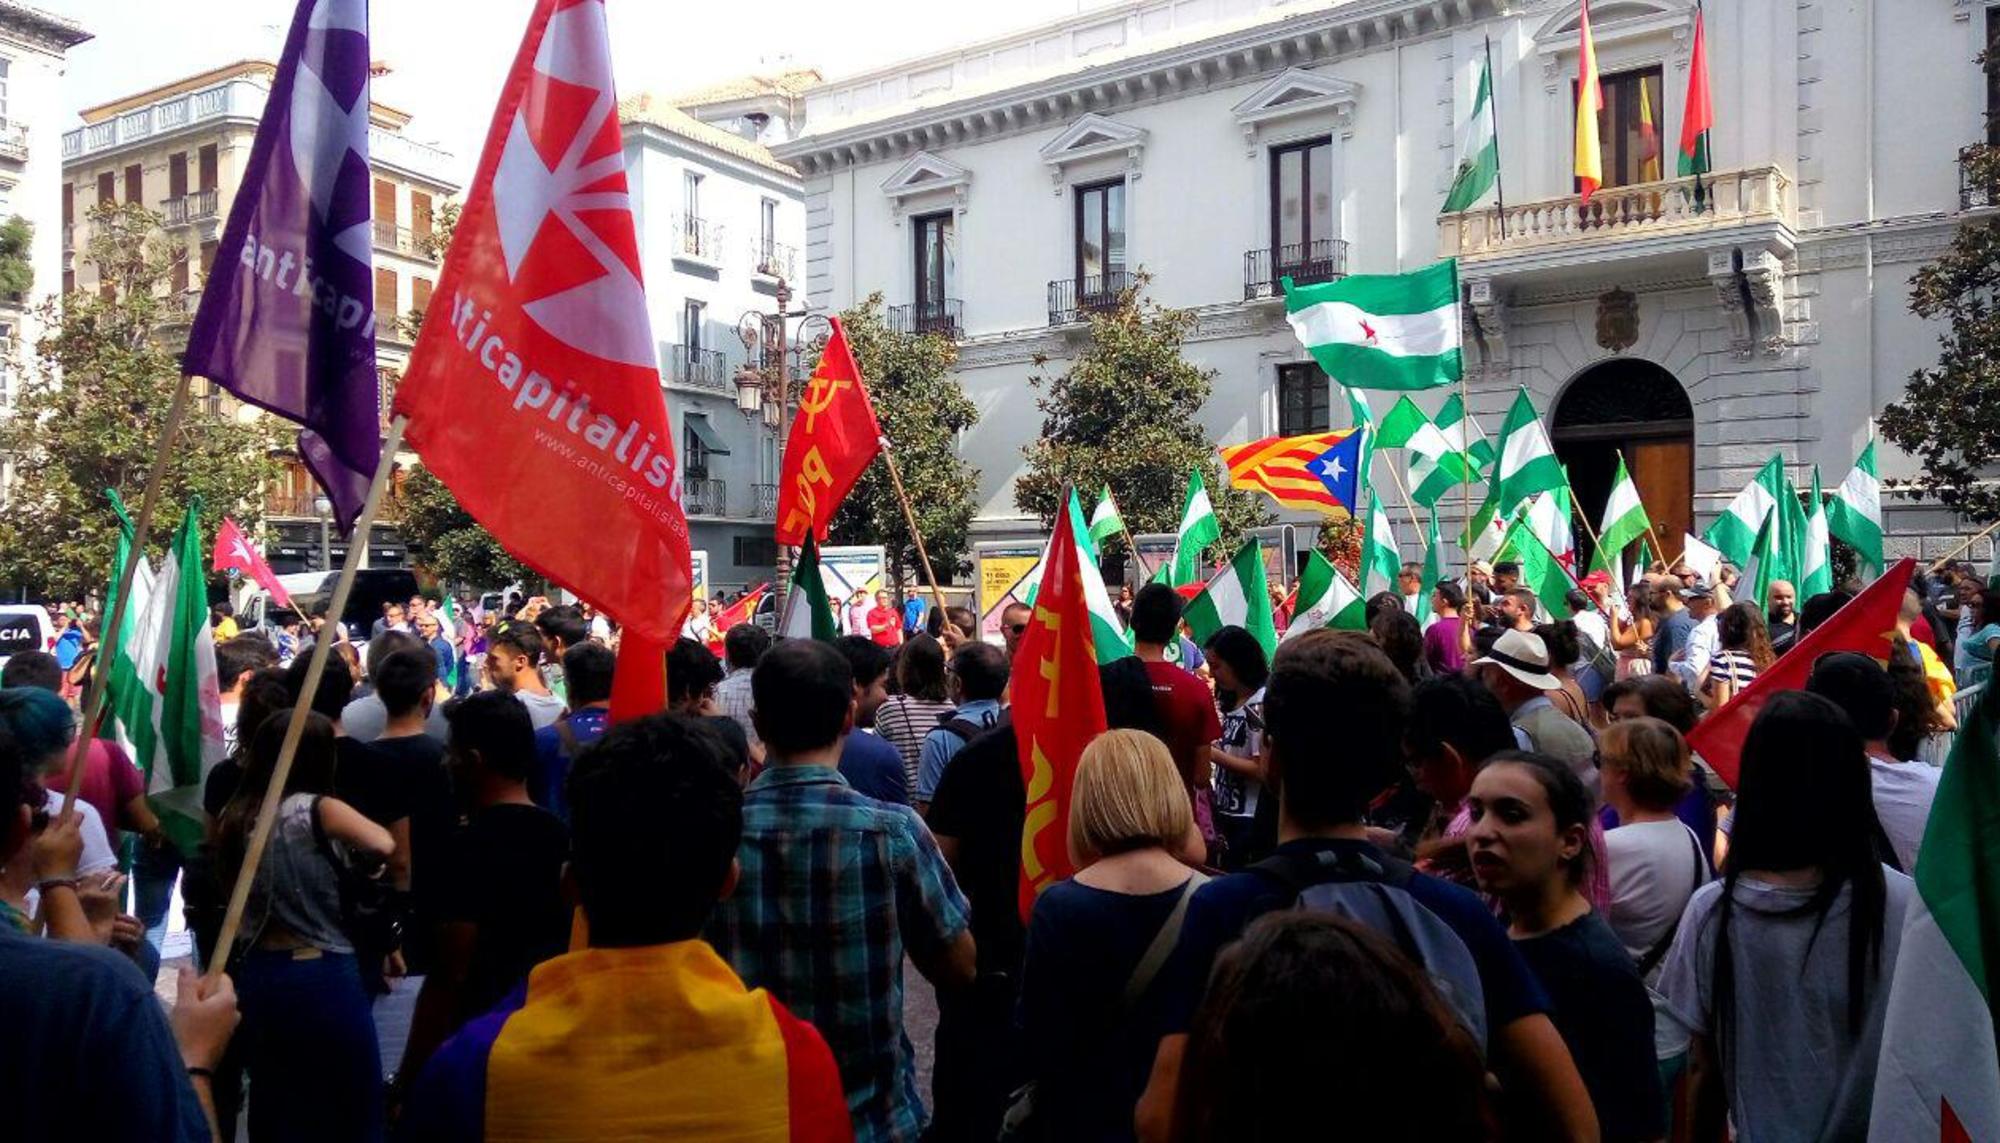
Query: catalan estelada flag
(656, 1042)
(1058, 709)
(1317, 471)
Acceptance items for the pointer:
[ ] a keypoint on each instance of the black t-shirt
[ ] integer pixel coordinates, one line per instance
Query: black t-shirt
(982, 802)
(503, 873)
(416, 767)
(221, 786)
(364, 779)
(1606, 1019)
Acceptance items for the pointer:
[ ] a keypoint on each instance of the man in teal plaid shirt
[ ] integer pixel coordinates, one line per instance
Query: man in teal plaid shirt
(835, 888)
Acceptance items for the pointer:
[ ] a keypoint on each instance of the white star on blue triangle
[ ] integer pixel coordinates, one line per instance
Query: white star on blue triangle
(1339, 469)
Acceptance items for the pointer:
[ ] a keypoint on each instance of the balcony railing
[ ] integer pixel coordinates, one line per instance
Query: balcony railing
(1976, 191)
(764, 501)
(1644, 210)
(696, 238)
(400, 239)
(1305, 263)
(697, 368)
(702, 496)
(199, 206)
(941, 316)
(1070, 299)
(773, 259)
(14, 141)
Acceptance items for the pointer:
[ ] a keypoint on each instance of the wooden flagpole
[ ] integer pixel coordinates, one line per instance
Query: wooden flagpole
(1960, 550)
(1145, 572)
(1409, 503)
(910, 518)
(267, 812)
(1658, 547)
(121, 591)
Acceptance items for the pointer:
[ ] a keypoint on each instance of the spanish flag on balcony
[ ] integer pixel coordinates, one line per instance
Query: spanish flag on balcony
(1698, 118)
(1589, 101)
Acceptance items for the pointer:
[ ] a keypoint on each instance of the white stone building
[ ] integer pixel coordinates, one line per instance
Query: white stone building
(33, 49)
(1001, 187)
(720, 226)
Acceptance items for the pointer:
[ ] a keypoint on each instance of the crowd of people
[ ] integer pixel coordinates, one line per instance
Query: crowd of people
(1455, 876)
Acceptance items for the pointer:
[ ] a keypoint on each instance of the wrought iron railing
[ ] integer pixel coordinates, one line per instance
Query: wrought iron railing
(940, 316)
(699, 368)
(704, 496)
(764, 501)
(389, 236)
(198, 206)
(772, 259)
(1305, 263)
(1071, 299)
(695, 237)
(1975, 191)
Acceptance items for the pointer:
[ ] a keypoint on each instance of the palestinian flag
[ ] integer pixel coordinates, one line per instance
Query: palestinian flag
(1697, 118)
(808, 613)
(1382, 331)
(1734, 533)
(1938, 1076)
(1198, 529)
(1236, 597)
(1478, 148)
(1326, 599)
(1854, 515)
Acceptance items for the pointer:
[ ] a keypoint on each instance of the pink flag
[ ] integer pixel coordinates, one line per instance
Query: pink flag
(234, 553)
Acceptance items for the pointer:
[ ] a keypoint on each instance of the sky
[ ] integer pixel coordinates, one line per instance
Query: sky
(448, 57)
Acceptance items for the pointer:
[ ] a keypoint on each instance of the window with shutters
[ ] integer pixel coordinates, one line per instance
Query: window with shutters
(206, 160)
(177, 273)
(1629, 127)
(385, 212)
(420, 294)
(208, 258)
(107, 192)
(68, 208)
(1303, 396)
(6, 92)
(420, 214)
(135, 184)
(385, 296)
(177, 175)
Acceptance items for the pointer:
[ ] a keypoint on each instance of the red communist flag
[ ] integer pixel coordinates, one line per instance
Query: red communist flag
(1864, 624)
(1058, 710)
(834, 437)
(234, 552)
(533, 391)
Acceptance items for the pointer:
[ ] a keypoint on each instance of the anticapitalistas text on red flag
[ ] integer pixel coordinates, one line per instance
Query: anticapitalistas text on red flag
(834, 438)
(1058, 710)
(533, 391)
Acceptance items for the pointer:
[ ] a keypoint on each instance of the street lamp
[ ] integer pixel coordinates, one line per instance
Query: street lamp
(764, 382)
(324, 507)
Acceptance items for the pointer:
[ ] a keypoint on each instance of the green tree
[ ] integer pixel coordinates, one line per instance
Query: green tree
(1949, 415)
(17, 269)
(450, 544)
(922, 410)
(88, 417)
(1124, 414)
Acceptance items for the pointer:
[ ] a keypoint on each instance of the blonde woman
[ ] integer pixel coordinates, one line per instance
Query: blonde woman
(1096, 941)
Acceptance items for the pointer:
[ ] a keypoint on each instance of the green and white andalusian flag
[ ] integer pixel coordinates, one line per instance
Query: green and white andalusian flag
(1549, 515)
(1236, 597)
(163, 695)
(1198, 529)
(1381, 556)
(1854, 516)
(808, 613)
(1400, 423)
(1938, 1076)
(1436, 467)
(1541, 572)
(1625, 520)
(1382, 331)
(1326, 599)
(1525, 463)
(1816, 556)
(1433, 566)
(1734, 533)
(1104, 519)
(1478, 149)
(1108, 634)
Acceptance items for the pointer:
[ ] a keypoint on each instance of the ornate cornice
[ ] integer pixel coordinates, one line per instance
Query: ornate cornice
(1217, 322)
(1917, 238)
(1229, 59)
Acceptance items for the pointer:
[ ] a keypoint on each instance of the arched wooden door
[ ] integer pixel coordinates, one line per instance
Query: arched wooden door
(1635, 407)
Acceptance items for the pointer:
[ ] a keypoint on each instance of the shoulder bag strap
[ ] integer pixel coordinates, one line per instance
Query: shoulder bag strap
(1162, 947)
(1658, 952)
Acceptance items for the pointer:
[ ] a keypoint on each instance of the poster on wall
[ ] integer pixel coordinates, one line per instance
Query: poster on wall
(1001, 569)
(700, 579)
(846, 570)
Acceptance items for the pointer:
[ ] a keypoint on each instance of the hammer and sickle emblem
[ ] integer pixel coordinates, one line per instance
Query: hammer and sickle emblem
(819, 394)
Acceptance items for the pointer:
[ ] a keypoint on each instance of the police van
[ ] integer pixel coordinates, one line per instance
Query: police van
(25, 627)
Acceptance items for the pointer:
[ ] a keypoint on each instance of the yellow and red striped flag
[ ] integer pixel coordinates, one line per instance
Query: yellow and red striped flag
(1315, 472)
(1589, 101)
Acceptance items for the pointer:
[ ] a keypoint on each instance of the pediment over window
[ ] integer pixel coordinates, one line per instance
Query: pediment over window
(1091, 137)
(1612, 20)
(1297, 92)
(924, 173)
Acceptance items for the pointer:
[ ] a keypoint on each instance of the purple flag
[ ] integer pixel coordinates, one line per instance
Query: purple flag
(287, 317)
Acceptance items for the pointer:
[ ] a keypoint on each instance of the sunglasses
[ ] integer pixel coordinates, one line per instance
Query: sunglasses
(1018, 628)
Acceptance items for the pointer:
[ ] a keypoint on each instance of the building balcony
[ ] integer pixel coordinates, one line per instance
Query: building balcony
(764, 501)
(702, 496)
(14, 141)
(1073, 299)
(696, 240)
(1977, 189)
(200, 206)
(773, 260)
(696, 368)
(942, 316)
(1662, 221)
(1305, 263)
(395, 239)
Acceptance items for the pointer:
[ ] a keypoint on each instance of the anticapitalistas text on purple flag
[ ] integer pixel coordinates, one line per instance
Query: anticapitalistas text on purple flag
(287, 317)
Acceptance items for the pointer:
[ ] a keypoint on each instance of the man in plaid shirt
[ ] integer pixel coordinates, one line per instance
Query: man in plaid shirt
(835, 887)
(742, 647)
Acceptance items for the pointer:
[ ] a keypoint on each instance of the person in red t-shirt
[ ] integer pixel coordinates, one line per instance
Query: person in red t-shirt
(885, 623)
(109, 781)
(1185, 706)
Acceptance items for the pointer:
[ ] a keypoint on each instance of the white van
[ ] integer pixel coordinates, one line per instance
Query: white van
(25, 627)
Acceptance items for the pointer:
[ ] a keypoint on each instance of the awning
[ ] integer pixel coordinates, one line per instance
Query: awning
(697, 423)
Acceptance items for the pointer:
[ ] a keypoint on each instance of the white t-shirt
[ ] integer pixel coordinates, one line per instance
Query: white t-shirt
(97, 854)
(1655, 867)
(543, 710)
(1903, 795)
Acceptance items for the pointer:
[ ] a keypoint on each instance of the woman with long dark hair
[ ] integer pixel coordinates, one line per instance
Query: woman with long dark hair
(1387, 1058)
(1246, 815)
(1530, 846)
(1745, 654)
(308, 1038)
(919, 704)
(1780, 972)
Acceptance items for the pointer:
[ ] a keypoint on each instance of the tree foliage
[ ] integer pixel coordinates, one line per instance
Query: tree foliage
(1125, 415)
(17, 267)
(450, 544)
(922, 410)
(1949, 415)
(88, 417)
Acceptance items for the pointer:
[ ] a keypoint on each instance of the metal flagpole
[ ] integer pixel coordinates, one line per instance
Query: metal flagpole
(267, 812)
(1493, 113)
